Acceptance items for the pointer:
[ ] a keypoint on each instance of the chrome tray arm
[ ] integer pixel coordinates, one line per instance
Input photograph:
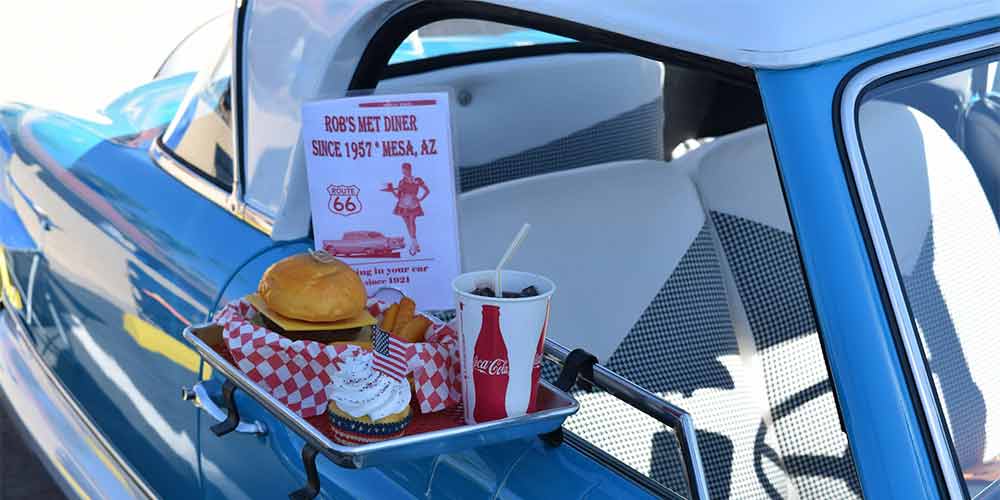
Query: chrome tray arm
(654, 406)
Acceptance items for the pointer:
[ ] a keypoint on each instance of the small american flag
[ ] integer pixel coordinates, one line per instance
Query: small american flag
(390, 354)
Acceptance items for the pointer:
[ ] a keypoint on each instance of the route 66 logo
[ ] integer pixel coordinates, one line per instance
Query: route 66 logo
(344, 200)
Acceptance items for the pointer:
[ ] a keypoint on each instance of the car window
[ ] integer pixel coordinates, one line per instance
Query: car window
(679, 271)
(264, 171)
(938, 194)
(199, 48)
(201, 133)
(454, 36)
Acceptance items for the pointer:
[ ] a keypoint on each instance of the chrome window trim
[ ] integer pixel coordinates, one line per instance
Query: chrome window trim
(858, 84)
(227, 200)
(255, 218)
(233, 199)
(176, 168)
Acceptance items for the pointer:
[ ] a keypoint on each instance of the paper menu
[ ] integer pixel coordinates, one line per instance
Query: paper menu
(382, 190)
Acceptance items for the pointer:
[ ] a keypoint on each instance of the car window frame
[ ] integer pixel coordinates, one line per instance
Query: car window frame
(229, 199)
(846, 110)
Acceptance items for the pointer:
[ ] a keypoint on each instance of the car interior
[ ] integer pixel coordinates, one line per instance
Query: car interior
(656, 207)
(942, 224)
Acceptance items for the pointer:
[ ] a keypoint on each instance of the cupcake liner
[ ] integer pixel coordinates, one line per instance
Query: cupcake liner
(352, 439)
(358, 428)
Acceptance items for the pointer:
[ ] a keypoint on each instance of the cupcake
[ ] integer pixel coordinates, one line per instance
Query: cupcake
(367, 406)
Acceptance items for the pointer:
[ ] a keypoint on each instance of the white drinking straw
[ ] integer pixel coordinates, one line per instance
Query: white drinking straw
(518, 238)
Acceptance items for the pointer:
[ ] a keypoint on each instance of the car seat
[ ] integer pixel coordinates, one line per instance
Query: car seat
(614, 112)
(737, 180)
(640, 284)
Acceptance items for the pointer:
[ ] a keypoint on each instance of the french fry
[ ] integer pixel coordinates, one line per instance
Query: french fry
(414, 330)
(389, 318)
(406, 310)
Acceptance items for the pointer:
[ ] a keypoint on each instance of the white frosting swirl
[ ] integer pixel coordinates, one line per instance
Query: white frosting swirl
(359, 390)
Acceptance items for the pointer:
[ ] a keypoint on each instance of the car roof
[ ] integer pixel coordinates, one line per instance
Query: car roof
(768, 33)
(752, 33)
(296, 51)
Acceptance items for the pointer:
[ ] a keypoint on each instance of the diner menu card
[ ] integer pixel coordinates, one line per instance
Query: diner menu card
(382, 190)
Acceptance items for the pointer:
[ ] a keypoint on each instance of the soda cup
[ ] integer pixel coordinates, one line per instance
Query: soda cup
(501, 342)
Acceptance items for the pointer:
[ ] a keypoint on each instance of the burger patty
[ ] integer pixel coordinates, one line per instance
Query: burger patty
(324, 336)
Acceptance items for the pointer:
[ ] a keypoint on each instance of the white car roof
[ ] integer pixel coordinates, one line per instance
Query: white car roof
(298, 51)
(767, 33)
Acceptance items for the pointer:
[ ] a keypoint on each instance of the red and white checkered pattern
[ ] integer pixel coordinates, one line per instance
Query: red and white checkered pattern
(437, 369)
(299, 373)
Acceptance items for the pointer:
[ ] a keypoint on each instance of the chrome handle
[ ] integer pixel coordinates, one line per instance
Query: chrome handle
(650, 404)
(198, 396)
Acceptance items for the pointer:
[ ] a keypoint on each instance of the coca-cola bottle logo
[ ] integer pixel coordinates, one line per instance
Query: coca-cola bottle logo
(491, 366)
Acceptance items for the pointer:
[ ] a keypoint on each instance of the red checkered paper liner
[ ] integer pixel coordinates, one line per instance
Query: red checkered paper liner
(436, 368)
(299, 373)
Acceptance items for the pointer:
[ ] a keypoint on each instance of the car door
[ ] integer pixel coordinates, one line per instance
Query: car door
(131, 251)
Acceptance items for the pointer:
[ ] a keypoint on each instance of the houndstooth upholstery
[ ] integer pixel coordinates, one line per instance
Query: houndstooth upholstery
(963, 401)
(765, 265)
(632, 135)
(683, 349)
(946, 244)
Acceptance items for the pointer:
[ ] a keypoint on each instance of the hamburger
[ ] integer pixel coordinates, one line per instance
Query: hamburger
(313, 296)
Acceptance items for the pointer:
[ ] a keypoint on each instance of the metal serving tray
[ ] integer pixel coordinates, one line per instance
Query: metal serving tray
(554, 406)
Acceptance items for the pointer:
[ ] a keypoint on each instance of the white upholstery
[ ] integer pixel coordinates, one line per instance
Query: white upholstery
(892, 135)
(947, 245)
(736, 174)
(522, 103)
(621, 240)
(608, 235)
(737, 180)
(515, 105)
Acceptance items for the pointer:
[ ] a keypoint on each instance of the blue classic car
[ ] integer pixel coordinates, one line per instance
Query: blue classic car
(773, 223)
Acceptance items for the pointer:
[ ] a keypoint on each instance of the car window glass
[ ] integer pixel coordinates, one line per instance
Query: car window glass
(939, 193)
(199, 48)
(463, 35)
(201, 133)
(679, 271)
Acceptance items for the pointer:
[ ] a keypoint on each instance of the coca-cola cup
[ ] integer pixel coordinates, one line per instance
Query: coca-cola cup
(501, 342)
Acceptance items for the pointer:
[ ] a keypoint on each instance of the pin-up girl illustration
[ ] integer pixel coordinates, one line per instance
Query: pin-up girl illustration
(408, 199)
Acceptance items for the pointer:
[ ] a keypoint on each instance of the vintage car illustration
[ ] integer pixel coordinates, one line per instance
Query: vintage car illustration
(367, 243)
(773, 223)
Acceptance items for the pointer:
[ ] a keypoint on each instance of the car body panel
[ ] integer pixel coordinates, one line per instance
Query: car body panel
(76, 455)
(107, 257)
(119, 276)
